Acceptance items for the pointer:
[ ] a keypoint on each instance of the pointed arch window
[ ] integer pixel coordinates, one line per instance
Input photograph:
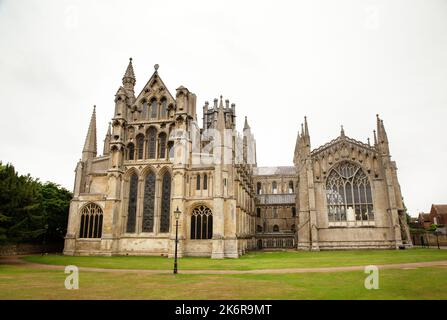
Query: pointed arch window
(274, 187)
(165, 202)
(348, 193)
(154, 109)
(149, 202)
(171, 150)
(259, 188)
(130, 151)
(91, 221)
(162, 146)
(201, 223)
(198, 182)
(205, 181)
(140, 146)
(164, 108)
(291, 189)
(132, 205)
(145, 114)
(152, 142)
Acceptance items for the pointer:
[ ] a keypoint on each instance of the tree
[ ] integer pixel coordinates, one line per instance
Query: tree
(29, 210)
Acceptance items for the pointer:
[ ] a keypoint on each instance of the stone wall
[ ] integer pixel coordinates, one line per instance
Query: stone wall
(424, 239)
(24, 248)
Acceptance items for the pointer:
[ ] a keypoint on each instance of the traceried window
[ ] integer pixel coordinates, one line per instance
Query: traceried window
(348, 193)
(154, 109)
(132, 206)
(140, 146)
(130, 151)
(152, 142)
(91, 221)
(164, 108)
(148, 203)
(201, 223)
(162, 146)
(165, 202)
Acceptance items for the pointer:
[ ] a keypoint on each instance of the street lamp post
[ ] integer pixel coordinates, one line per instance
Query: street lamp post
(437, 232)
(177, 214)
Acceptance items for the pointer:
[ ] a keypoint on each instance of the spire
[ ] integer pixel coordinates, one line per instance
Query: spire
(107, 142)
(221, 103)
(129, 77)
(375, 138)
(342, 131)
(246, 126)
(89, 150)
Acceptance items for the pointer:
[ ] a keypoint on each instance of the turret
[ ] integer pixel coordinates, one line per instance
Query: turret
(382, 138)
(90, 151)
(186, 102)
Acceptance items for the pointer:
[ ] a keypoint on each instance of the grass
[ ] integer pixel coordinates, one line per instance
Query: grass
(253, 260)
(18, 282)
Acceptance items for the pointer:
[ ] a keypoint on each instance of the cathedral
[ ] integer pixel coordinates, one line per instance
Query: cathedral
(160, 172)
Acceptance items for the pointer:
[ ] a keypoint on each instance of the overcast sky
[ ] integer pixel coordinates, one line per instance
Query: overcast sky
(338, 62)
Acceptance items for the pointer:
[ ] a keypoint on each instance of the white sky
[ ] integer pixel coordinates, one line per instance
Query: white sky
(338, 62)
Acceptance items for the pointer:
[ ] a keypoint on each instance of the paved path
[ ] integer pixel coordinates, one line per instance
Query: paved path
(15, 260)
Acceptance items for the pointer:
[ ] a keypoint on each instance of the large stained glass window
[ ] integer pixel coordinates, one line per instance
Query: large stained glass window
(148, 203)
(348, 192)
(132, 206)
(165, 202)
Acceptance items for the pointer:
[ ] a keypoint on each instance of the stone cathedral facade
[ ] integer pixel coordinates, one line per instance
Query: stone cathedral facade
(157, 159)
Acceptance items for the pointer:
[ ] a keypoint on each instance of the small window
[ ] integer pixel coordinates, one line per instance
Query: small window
(274, 187)
(259, 188)
(293, 212)
(198, 182)
(258, 212)
(130, 151)
(291, 190)
(140, 146)
(205, 181)
(258, 228)
(275, 228)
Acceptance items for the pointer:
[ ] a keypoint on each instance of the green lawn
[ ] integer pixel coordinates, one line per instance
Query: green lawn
(253, 260)
(18, 282)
